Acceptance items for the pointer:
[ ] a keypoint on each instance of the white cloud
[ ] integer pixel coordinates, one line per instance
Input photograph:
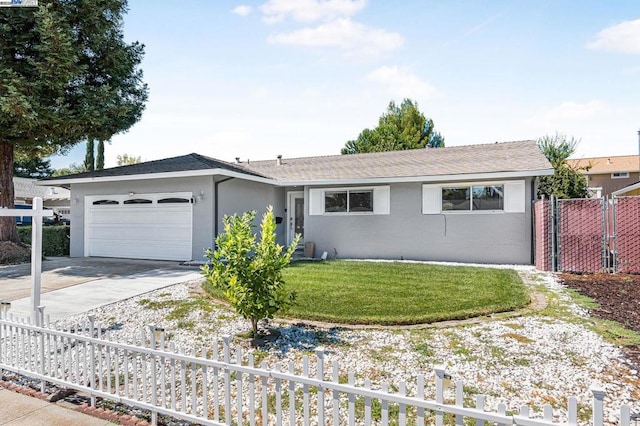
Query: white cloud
(242, 10)
(310, 10)
(352, 37)
(623, 37)
(401, 83)
(574, 111)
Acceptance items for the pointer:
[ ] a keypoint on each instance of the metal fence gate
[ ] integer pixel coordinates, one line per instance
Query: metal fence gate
(588, 235)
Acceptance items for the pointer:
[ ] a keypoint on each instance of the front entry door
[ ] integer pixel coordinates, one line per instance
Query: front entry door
(295, 214)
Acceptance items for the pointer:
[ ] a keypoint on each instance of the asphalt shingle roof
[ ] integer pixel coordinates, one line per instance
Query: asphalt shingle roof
(620, 163)
(471, 159)
(189, 162)
(459, 160)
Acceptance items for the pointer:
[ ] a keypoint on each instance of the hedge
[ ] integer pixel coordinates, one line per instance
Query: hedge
(55, 239)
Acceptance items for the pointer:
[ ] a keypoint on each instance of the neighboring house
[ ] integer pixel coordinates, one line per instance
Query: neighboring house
(54, 197)
(629, 190)
(469, 203)
(605, 175)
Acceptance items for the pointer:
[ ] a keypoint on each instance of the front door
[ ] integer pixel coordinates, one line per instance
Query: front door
(295, 215)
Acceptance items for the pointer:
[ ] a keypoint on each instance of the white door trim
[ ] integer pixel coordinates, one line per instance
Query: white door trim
(291, 213)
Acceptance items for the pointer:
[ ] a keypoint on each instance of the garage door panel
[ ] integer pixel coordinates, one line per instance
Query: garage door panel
(143, 231)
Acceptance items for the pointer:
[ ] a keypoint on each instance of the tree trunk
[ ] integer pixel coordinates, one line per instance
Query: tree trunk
(8, 229)
(254, 326)
(100, 156)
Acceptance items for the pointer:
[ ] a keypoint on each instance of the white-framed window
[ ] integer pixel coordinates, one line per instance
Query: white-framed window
(349, 201)
(619, 175)
(474, 197)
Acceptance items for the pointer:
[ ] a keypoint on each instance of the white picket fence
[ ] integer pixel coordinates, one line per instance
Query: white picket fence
(221, 385)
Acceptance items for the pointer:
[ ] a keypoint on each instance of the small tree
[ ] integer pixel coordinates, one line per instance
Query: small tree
(566, 181)
(127, 160)
(248, 270)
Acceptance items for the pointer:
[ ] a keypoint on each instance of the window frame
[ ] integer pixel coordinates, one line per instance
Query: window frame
(621, 175)
(513, 196)
(380, 200)
(348, 210)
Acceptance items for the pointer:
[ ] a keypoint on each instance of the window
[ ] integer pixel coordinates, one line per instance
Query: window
(349, 201)
(174, 201)
(357, 200)
(105, 202)
(619, 175)
(473, 198)
(455, 198)
(138, 201)
(335, 202)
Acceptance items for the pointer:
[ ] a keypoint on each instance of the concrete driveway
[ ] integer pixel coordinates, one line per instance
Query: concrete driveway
(75, 285)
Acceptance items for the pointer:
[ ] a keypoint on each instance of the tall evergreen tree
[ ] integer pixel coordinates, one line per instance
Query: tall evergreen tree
(66, 75)
(89, 157)
(35, 168)
(400, 127)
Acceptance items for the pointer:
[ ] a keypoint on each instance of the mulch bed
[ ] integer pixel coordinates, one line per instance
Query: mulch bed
(13, 254)
(619, 298)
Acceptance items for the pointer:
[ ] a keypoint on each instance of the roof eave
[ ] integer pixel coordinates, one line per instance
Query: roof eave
(425, 179)
(166, 175)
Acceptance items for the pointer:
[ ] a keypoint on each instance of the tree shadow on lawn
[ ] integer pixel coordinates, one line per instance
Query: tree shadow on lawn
(301, 337)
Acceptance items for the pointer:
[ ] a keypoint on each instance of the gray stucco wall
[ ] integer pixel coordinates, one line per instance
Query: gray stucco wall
(407, 233)
(237, 196)
(202, 209)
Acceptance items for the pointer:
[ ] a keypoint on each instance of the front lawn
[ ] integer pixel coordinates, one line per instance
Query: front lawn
(387, 293)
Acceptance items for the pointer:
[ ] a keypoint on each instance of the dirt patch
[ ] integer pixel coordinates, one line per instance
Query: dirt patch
(13, 254)
(618, 297)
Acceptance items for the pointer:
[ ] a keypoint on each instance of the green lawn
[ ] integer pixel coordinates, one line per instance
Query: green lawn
(388, 293)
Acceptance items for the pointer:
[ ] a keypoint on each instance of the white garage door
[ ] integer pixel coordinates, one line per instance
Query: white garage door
(139, 226)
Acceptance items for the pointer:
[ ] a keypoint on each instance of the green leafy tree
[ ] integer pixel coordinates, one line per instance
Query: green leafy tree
(66, 75)
(566, 181)
(127, 160)
(248, 269)
(400, 127)
(35, 168)
(71, 170)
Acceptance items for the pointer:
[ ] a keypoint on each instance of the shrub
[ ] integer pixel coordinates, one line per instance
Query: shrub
(248, 270)
(55, 239)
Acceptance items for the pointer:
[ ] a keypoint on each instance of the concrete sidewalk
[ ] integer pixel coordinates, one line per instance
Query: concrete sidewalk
(17, 409)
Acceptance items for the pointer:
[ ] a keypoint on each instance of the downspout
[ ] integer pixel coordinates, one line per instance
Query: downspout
(532, 212)
(216, 209)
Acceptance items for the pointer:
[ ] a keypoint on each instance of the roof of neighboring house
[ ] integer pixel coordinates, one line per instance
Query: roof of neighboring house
(189, 162)
(596, 165)
(457, 160)
(28, 188)
(522, 158)
(626, 189)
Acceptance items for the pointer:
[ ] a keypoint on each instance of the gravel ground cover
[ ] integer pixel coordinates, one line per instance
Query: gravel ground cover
(533, 359)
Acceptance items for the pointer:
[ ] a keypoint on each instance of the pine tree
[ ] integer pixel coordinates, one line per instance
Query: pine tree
(66, 75)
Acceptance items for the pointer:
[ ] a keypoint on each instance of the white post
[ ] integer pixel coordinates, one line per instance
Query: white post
(36, 256)
(598, 404)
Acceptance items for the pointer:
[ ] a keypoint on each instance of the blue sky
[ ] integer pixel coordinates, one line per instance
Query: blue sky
(256, 79)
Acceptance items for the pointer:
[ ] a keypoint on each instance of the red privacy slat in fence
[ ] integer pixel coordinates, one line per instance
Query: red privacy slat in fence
(581, 235)
(628, 234)
(542, 222)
